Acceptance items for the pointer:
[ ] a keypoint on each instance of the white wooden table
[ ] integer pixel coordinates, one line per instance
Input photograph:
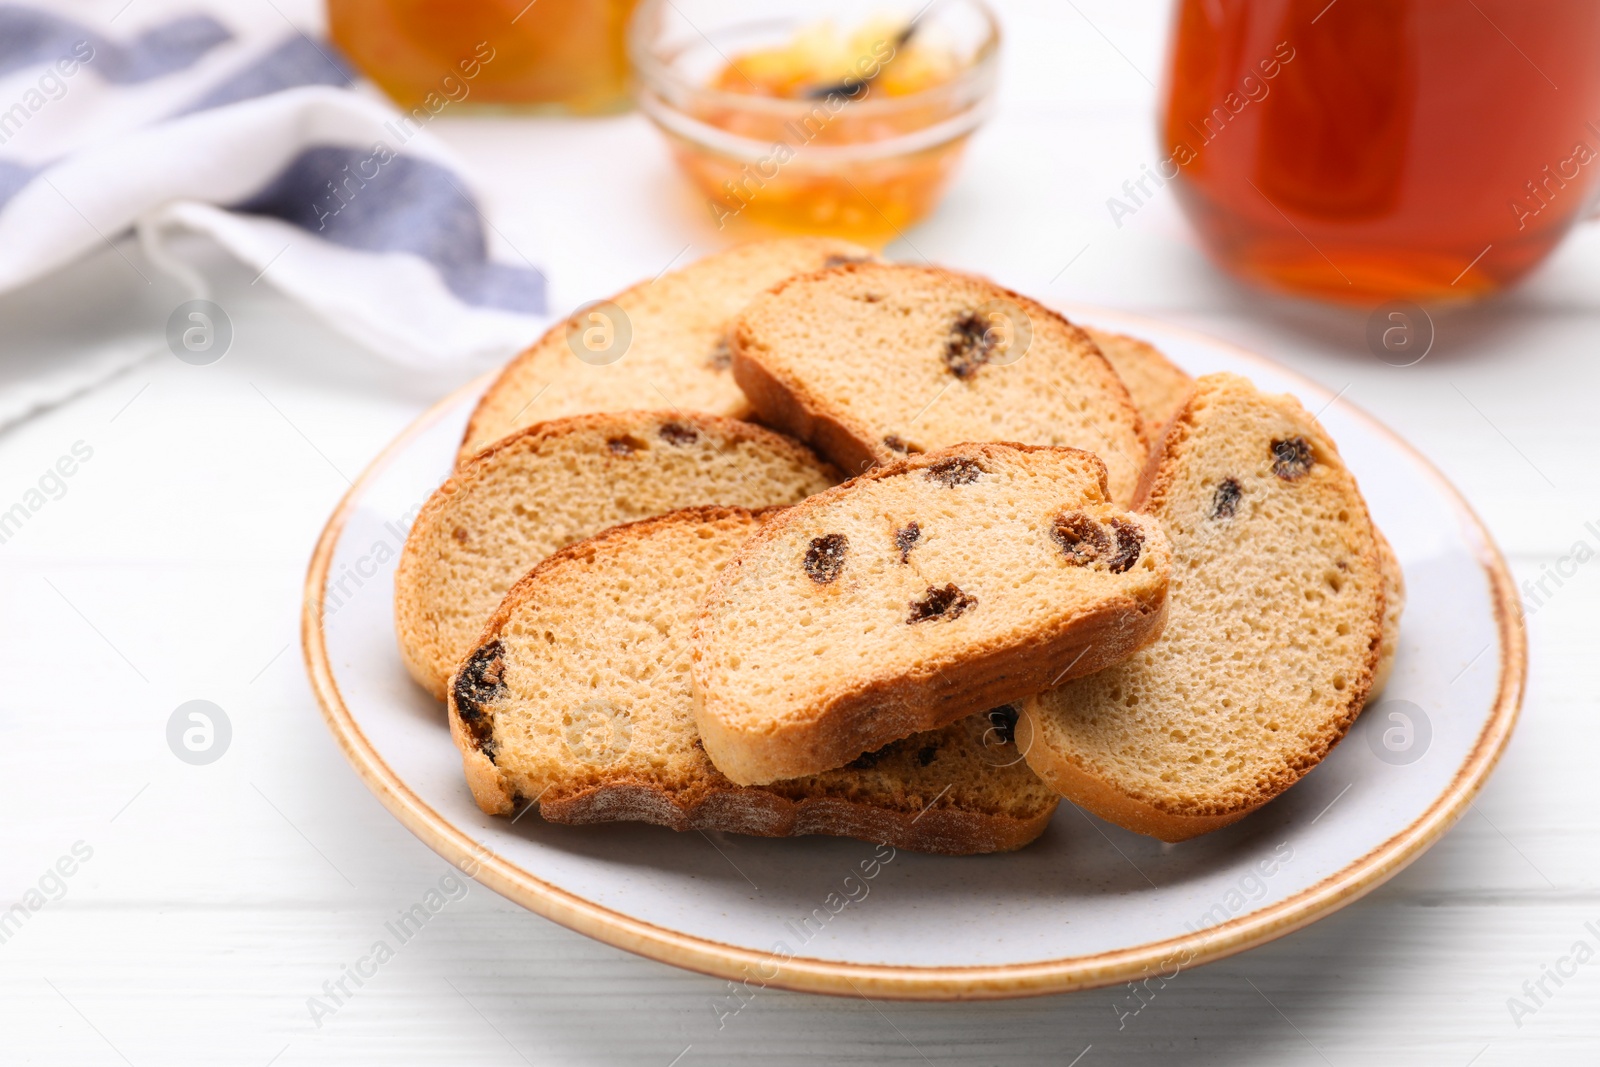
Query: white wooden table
(214, 900)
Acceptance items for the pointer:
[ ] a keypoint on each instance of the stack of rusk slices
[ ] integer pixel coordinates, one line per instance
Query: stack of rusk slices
(840, 546)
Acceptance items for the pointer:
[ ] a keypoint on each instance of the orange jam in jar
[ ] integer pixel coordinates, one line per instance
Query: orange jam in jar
(547, 55)
(799, 126)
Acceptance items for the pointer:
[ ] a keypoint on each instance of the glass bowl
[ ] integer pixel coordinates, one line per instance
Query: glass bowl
(850, 158)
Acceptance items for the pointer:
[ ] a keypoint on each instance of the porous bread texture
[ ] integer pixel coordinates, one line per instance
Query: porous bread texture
(917, 594)
(1394, 603)
(1158, 386)
(579, 699)
(1276, 620)
(677, 356)
(871, 362)
(561, 481)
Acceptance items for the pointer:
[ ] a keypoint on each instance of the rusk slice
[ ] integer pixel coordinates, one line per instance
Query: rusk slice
(666, 350)
(1276, 623)
(1394, 603)
(871, 362)
(915, 594)
(550, 485)
(1158, 386)
(578, 698)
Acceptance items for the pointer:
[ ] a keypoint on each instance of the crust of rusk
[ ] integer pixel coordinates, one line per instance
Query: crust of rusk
(501, 409)
(1067, 773)
(424, 648)
(761, 813)
(804, 806)
(841, 725)
(786, 402)
(1394, 604)
(1158, 386)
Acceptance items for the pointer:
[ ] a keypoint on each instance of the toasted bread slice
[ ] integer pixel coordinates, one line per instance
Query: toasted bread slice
(1158, 386)
(917, 594)
(578, 698)
(559, 482)
(1394, 603)
(1276, 623)
(871, 362)
(666, 350)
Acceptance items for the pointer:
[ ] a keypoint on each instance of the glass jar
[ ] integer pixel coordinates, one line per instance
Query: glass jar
(1415, 149)
(562, 56)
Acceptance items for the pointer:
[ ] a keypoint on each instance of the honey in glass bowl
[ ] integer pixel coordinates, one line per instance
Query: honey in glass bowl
(794, 122)
(565, 56)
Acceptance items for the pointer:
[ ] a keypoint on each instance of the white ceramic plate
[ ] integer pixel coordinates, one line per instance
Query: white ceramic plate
(1088, 904)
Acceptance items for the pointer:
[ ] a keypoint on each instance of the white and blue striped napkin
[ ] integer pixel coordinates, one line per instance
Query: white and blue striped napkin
(124, 128)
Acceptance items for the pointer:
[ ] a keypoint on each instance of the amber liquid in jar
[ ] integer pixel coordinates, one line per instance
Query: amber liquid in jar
(556, 55)
(1410, 149)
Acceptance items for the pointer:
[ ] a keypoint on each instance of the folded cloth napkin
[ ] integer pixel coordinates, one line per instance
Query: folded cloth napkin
(126, 127)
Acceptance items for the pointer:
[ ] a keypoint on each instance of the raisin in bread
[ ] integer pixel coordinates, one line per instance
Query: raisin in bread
(578, 698)
(550, 485)
(1158, 386)
(913, 595)
(870, 362)
(674, 357)
(1276, 622)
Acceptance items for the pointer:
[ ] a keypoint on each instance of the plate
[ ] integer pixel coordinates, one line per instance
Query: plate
(1087, 904)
